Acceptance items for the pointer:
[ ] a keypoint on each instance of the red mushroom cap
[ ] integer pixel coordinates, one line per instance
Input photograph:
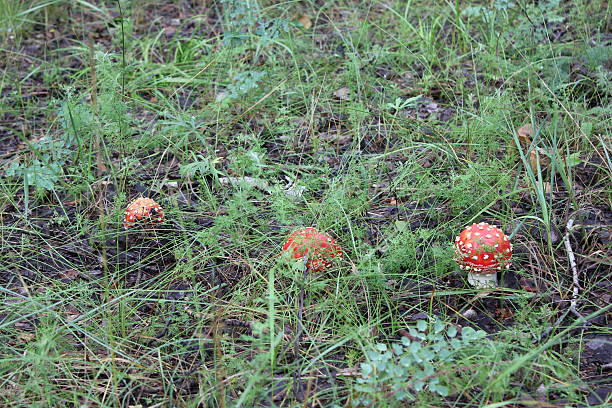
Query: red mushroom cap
(483, 248)
(320, 248)
(142, 209)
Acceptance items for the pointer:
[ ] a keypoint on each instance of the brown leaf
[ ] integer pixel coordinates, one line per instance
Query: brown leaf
(538, 154)
(305, 21)
(69, 274)
(524, 134)
(504, 313)
(529, 285)
(25, 337)
(72, 313)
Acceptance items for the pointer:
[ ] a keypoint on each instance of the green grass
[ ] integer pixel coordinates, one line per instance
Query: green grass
(389, 124)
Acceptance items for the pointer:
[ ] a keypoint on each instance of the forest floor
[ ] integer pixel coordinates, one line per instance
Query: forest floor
(391, 125)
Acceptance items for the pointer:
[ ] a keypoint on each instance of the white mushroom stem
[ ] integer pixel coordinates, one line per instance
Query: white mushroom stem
(483, 280)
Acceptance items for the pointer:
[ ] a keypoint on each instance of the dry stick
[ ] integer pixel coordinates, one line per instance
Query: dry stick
(575, 283)
(572, 260)
(100, 167)
(93, 75)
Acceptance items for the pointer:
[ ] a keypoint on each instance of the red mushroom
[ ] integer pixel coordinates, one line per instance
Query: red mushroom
(483, 250)
(319, 248)
(142, 209)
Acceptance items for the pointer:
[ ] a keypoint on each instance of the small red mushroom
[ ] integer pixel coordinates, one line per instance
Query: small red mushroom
(319, 248)
(483, 250)
(142, 209)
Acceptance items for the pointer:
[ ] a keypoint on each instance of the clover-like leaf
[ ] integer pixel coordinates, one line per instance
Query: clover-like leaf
(438, 326)
(366, 369)
(418, 385)
(397, 349)
(381, 347)
(421, 325)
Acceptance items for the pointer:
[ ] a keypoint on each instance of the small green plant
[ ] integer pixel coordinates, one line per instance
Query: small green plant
(401, 254)
(245, 18)
(240, 17)
(242, 84)
(200, 166)
(184, 129)
(485, 181)
(422, 362)
(252, 161)
(486, 12)
(44, 170)
(400, 103)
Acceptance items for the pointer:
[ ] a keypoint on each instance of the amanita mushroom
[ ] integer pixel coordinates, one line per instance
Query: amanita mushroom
(319, 248)
(142, 209)
(483, 250)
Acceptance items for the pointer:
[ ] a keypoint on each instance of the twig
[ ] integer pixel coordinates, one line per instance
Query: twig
(572, 260)
(575, 283)
(100, 166)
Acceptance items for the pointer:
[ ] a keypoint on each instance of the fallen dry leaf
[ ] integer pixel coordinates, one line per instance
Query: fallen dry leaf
(25, 337)
(538, 154)
(69, 274)
(504, 313)
(305, 21)
(524, 134)
(529, 285)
